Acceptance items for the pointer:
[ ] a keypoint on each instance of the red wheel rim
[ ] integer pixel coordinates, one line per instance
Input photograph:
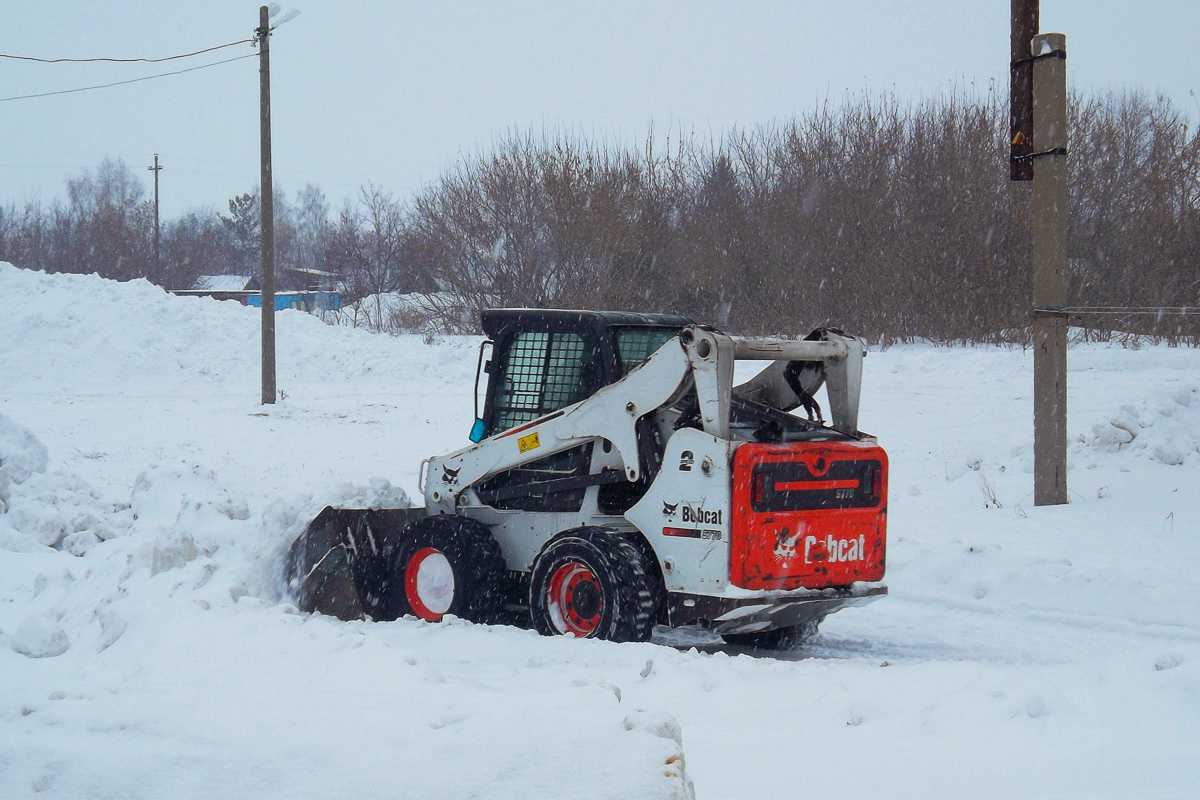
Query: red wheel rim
(574, 599)
(429, 584)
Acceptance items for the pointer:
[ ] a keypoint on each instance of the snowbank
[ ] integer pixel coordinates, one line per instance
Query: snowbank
(148, 651)
(1165, 429)
(146, 645)
(21, 454)
(39, 509)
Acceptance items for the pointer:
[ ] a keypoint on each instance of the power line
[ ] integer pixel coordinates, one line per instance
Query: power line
(1121, 310)
(124, 60)
(131, 80)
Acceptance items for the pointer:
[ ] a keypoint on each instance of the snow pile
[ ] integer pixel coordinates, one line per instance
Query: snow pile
(146, 644)
(40, 636)
(21, 454)
(378, 493)
(94, 335)
(1167, 429)
(39, 509)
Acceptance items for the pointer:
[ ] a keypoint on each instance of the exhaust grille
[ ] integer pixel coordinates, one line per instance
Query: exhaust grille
(791, 486)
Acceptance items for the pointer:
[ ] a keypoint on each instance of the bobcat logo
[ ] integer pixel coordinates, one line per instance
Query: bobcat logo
(450, 476)
(669, 509)
(785, 544)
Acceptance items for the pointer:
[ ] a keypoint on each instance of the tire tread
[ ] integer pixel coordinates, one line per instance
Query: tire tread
(638, 590)
(467, 544)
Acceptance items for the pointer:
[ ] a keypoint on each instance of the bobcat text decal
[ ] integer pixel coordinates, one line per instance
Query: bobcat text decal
(696, 514)
(835, 550)
(699, 515)
(816, 550)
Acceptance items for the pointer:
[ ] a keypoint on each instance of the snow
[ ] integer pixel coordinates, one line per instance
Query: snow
(147, 649)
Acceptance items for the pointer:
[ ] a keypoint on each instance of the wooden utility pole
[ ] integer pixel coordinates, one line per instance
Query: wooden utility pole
(266, 206)
(156, 169)
(1049, 157)
(1025, 14)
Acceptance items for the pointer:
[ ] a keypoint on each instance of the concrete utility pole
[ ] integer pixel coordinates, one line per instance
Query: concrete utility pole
(267, 206)
(156, 169)
(1049, 54)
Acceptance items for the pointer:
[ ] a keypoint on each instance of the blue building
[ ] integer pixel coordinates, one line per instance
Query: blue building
(321, 295)
(301, 301)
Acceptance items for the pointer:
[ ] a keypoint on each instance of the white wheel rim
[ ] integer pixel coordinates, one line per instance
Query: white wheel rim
(435, 583)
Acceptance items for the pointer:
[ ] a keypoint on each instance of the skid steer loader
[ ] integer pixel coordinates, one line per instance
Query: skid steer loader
(617, 479)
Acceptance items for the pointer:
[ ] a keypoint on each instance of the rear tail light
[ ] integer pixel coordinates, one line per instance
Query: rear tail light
(758, 488)
(876, 483)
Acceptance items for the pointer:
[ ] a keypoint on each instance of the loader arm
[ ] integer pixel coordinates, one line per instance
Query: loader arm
(839, 358)
(614, 410)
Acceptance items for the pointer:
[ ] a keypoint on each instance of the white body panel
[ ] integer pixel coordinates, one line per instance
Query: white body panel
(522, 534)
(686, 497)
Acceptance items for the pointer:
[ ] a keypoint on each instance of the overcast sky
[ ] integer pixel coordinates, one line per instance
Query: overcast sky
(394, 92)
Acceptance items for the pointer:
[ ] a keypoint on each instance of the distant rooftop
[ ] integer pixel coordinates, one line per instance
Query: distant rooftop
(222, 283)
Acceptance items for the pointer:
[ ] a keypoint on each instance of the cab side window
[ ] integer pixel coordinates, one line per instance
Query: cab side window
(541, 372)
(635, 345)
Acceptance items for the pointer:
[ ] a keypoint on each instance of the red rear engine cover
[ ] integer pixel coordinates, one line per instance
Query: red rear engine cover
(808, 514)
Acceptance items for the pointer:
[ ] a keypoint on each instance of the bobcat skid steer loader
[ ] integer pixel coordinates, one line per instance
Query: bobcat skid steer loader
(618, 480)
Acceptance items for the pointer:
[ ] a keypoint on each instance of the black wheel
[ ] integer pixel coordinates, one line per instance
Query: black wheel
(448, 565)
(778, 639)
(594, 583)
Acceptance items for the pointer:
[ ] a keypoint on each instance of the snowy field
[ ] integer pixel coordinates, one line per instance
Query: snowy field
(147, 651)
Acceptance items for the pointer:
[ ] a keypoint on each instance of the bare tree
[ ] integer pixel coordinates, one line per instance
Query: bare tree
(368, 246)
(895, 220)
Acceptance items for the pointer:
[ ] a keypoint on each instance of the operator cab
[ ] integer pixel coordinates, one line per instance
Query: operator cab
(542, 360)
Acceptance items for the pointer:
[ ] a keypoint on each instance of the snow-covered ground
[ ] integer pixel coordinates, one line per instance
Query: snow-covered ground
(146, 650)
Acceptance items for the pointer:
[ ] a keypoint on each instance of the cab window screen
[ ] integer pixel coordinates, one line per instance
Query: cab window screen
(635, 345)
(542, 372)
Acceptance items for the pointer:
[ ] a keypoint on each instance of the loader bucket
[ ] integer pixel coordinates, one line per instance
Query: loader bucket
(340, 565)
(317, 573)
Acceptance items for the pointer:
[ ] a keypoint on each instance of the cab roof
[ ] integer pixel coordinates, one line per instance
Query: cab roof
(499, 321)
